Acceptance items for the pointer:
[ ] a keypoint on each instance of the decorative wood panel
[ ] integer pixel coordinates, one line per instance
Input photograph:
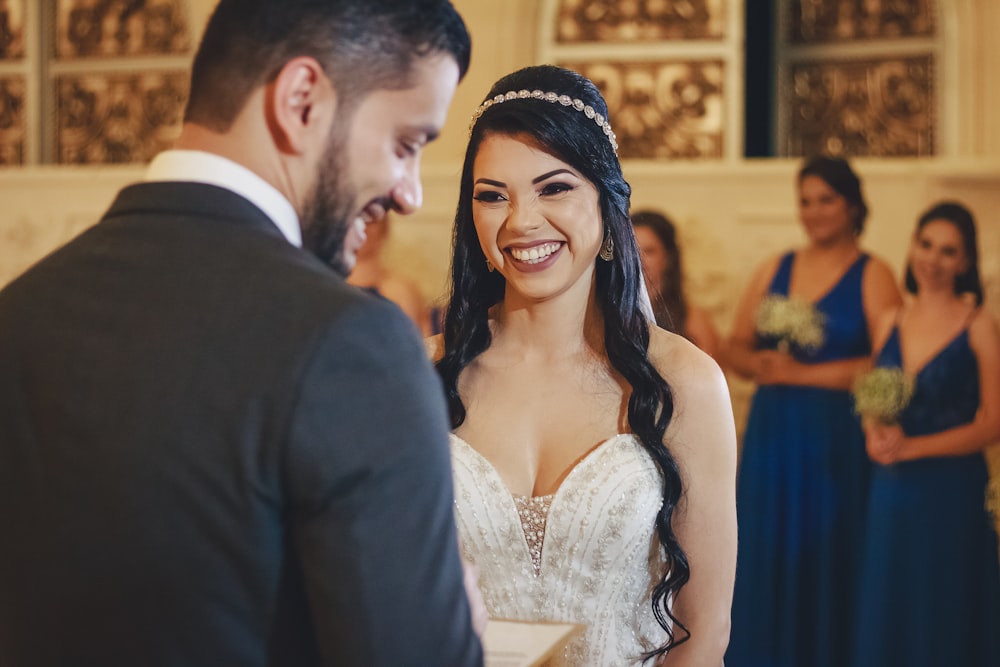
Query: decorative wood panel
(11, 29)
(858, 78)
(116, 28)
(880, 108)
(117, 118)
(833, 20)
(662, 109)
(639, 20)
(12, 121)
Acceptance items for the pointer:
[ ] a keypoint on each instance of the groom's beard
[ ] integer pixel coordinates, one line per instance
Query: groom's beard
(330, 211)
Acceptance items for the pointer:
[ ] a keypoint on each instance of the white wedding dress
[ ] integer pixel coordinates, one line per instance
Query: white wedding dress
(587, 554)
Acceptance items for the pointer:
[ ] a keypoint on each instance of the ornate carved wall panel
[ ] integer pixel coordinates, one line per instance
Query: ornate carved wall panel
(665, 67)
(91, 81)
(858, 78)
(639, 20)
(117, 118)
(12, 123)
(830, 20)
(11, 29)
(117, 28)
(878, 108)
(662, 109)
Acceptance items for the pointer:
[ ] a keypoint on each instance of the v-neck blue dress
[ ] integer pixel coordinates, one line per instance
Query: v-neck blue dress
(930, 582)
(801, 495)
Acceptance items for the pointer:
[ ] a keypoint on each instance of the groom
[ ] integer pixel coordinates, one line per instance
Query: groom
(212, 451)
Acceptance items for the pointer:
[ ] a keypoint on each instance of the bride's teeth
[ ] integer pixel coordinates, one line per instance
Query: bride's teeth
(534, 255)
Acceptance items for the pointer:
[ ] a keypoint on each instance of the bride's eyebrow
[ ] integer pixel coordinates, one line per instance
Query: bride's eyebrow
(536, 181)
(488, 181)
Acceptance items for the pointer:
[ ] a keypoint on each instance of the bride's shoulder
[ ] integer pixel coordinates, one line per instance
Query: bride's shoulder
(701, 433)
(680, 361)
(435, 347)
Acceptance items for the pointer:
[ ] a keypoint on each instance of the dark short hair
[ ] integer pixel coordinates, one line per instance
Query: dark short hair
(362, 45)
(959, 216)
(837, 173)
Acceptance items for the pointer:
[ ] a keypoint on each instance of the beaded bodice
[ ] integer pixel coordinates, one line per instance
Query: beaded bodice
(586, 554)
(533, 511)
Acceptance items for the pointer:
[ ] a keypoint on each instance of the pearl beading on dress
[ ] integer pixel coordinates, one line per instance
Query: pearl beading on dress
(533, 511)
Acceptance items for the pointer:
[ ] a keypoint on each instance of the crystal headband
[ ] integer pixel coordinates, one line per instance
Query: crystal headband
(564, 100)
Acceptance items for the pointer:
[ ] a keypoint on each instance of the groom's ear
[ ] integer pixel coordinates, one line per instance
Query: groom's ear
(300, 106)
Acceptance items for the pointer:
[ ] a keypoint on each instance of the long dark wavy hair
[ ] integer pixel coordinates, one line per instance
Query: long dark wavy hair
(574, 138)
(669, 305)
(961, 218)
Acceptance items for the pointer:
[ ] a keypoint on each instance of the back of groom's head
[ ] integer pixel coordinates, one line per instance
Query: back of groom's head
(362, 45)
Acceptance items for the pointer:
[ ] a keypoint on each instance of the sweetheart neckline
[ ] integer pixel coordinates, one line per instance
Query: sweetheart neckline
(593, 453)
(585, 459)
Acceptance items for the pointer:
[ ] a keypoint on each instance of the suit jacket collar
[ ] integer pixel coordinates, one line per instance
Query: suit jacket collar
(187, 199)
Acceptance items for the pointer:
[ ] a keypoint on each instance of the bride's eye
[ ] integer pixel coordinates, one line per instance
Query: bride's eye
(556, 188)
(488, 197)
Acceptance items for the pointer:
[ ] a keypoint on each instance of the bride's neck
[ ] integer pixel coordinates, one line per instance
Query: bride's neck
(548, 330)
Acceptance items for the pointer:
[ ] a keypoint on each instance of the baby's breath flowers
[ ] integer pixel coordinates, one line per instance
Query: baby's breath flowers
(794, 322)
(882, 394)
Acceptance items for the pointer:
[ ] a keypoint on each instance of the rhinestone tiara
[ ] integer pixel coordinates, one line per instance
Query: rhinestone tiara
(554, 98)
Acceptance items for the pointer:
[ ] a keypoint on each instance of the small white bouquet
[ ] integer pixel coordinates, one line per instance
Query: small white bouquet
(882, 394)
(794, 322)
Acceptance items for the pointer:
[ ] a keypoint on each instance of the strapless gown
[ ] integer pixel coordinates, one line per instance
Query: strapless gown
(930, 583)
(587, 554)
(800, 496)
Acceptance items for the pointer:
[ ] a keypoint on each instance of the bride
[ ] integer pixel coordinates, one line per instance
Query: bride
(594, 453)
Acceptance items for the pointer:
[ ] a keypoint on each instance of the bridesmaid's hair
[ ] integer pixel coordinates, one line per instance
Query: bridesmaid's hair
(575, 138)
(961, 218)
(837, 173)
(669, 305)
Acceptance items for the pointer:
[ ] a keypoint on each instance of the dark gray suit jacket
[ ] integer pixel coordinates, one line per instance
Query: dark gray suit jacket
(214, 452)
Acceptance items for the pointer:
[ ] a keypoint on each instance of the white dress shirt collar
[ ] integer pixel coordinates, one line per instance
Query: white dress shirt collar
(201, 167)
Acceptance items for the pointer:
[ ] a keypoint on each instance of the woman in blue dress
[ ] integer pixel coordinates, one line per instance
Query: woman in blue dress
(930, 584)
(803, 473)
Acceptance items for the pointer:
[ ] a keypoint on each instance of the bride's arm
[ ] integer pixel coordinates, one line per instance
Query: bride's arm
(702, 438)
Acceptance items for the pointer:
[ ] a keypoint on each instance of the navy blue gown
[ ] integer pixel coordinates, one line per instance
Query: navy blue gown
(801, 495)
(930, 583)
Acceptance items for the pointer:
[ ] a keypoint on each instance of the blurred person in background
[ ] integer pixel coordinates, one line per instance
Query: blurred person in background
(663, 271)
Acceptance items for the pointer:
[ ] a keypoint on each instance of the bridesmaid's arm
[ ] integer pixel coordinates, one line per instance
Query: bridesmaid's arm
(702, 438)
(782, 368)
(880, 297)
(984, 430)
(737, 351)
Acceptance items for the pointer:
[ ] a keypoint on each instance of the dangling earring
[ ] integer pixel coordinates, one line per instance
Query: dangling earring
(489, 265)
(607, 252)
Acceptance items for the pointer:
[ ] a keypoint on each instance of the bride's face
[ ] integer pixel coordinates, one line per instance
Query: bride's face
(538, 219)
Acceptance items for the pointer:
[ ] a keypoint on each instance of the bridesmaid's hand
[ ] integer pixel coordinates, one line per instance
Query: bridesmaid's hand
(884, 442)
(774, 367)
